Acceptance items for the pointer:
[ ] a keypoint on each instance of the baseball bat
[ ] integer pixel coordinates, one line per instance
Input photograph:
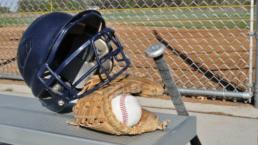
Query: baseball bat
(156, 52)
(228, 85)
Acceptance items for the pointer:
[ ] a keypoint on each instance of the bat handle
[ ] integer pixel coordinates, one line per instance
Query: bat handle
(156, 52)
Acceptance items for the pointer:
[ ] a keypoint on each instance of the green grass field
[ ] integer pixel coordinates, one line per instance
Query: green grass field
(180, 18)
(186, 18)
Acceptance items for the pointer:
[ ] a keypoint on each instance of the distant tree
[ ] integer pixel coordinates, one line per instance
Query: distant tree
(4, 9)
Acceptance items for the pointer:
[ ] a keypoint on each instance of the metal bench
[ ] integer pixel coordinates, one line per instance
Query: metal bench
(24, 121)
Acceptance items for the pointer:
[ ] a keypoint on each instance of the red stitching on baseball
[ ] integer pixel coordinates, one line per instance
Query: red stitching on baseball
(123, 109)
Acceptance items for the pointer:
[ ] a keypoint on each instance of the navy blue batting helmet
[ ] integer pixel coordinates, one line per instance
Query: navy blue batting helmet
(58, 52)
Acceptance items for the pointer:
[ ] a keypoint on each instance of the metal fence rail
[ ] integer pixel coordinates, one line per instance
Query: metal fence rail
(210, 41)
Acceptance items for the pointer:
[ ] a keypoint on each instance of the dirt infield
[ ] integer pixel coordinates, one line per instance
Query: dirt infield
(224, 52)
(9, 39)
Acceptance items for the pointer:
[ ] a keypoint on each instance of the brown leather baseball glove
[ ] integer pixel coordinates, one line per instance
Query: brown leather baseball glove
(145, 86)
(95, 110)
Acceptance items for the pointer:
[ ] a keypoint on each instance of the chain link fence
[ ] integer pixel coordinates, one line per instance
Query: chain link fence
(210, 46)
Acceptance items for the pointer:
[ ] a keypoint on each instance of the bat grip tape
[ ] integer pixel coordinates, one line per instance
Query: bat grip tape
(170, 86)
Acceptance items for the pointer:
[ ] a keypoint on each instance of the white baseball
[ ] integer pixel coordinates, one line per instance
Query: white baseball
(127, 109)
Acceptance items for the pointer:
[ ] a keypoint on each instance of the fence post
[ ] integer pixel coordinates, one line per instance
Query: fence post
(256, 60)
